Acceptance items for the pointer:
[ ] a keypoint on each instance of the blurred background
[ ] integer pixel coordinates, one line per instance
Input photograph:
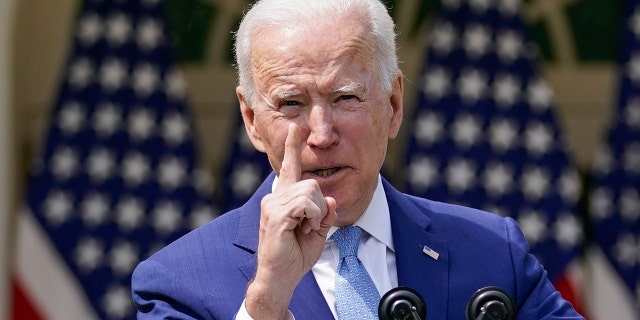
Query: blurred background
(118, 117)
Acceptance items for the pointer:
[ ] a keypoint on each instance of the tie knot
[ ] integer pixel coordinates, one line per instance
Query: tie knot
(347, 240)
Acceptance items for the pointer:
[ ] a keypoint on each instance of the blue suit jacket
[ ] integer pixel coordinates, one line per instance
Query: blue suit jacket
(204, 274)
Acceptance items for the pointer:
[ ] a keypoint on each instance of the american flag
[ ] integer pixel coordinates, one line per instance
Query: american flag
(615, 198)
(117, 177)
(245, 169)
(484, 133)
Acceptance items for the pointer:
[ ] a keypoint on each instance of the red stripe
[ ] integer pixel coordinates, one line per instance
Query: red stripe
(22, 307)
(570, 293)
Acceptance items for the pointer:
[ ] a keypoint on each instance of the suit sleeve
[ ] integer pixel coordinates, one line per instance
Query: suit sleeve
(536, 297)
(158, 295)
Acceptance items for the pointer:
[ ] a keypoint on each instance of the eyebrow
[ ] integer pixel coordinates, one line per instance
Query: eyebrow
(349, 88)
(284, 94)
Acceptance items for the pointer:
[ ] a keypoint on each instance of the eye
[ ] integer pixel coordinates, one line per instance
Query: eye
(347, 97)
(291, 103)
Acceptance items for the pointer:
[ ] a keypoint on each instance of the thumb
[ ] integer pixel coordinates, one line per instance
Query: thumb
(330, 218)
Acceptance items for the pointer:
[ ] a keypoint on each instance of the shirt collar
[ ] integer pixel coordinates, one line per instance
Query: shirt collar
(375, 220)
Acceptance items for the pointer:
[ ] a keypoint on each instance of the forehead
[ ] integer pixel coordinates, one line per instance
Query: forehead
(323, 48)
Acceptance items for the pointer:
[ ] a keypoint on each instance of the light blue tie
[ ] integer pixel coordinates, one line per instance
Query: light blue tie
(356, 294)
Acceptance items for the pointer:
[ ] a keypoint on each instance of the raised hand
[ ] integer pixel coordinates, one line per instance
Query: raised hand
(294, 223)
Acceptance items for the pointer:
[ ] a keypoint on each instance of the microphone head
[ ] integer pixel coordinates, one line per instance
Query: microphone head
(492, 302)
(398, 304)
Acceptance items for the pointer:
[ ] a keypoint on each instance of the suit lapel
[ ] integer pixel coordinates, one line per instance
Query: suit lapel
(307, 301)
(416, 269)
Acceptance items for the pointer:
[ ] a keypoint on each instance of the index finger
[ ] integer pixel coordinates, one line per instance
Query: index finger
(290, 172)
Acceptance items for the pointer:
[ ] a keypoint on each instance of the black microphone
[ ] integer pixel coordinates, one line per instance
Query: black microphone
(490, 303)
(402, 303)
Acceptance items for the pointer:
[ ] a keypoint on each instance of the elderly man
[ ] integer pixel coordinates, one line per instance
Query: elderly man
(325, 235)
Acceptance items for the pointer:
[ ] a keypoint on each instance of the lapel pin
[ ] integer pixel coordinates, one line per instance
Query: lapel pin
(428, 251)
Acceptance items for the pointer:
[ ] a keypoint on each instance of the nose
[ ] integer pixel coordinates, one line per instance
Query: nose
(322, 131)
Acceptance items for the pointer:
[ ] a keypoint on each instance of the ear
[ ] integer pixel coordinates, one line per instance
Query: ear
(248, 117)
(397, 107)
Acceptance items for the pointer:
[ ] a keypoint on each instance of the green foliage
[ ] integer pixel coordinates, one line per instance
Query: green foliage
(189, 25)
(596, 26)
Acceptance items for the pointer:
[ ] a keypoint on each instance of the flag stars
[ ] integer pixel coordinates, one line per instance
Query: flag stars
(631, 158)
(476, 41)
(604, 161)
(509, 7)
(89, 254)
(64, 163)
(129, 213)
(57, 207)
(101, 163)
(200, 216)
(538, 139)
(95, 207)
(145, 79)
(509, 46)
(135, 168)
(634, 23)
(460, 175)
(175, 85)
(443, 38)
(466, 130)
(175, 129)
(535, 183)
(502, 135)
(428, 128)
(71, 117)
(569, 186)
(601, 204)
(506, 90)
(244, 179)
(118, 29)
(106, 119)
(166, 217)
(471, 85)
(171, 172)
(436, 83)
(422, 173)
(149, 34)
(567, 231)
(112, 74)
(141, 124)
(81, 72)
(534, 226)
(630, 205)
(498, 178)
(123, 258)
(627, 250)
(633, 68)
(117, 302)
(89, 29)
(632, 114)
(539, 95)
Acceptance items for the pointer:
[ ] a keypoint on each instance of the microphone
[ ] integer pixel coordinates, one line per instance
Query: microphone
(402, 303)
(490, 303)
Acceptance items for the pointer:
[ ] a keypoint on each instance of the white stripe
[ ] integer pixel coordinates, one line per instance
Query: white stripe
(6, 147)
(45, 276)
(606, 295)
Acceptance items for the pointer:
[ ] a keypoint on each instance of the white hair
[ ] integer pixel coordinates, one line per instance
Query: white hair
(295, 13)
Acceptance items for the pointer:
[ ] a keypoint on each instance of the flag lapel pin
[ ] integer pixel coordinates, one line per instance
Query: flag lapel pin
(428, 251)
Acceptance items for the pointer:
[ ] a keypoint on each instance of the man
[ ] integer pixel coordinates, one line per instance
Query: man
(321, 94)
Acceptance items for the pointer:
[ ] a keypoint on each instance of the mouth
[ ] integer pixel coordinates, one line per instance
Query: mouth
(325, 172)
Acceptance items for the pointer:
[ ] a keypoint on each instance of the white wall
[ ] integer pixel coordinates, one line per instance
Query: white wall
(6, 147)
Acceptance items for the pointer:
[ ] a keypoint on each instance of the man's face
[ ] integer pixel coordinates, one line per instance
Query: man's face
(326, 82)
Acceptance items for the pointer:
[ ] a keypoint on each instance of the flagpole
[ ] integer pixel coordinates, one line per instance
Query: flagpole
(6, 146)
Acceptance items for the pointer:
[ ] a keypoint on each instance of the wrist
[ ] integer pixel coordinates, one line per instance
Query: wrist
(267, 301)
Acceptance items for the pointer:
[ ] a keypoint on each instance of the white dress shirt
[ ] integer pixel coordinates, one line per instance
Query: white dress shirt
(376, 246)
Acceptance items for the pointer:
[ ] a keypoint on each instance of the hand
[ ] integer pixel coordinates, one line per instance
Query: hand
(294, 223)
